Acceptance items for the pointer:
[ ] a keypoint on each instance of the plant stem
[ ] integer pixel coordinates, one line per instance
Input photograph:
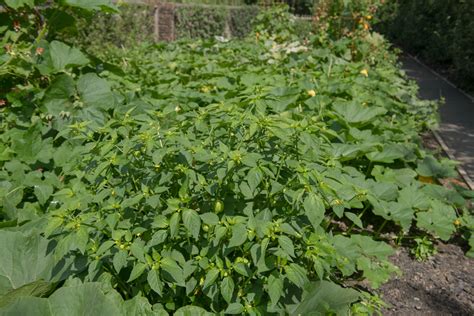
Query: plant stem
(381, 227)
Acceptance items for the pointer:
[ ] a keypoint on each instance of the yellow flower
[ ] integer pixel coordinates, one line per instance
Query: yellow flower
(366, 26)
(364, 72)
(311, 93)
(457, 222)
(369, 17)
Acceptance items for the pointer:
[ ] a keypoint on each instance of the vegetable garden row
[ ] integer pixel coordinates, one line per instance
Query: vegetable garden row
(251, 176)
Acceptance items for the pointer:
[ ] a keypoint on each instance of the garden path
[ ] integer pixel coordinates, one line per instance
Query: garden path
(456, 128)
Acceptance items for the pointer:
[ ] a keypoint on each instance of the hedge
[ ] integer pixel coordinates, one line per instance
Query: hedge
(196, 21)
(135, 24)
(440, 31)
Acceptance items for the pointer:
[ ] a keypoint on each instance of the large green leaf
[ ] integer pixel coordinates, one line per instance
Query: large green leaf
(430, 167)
(59, 95)
(389, 153)
(95, 91)
(297, 274)
(15, 4)
(64, 56)
(438, 220)
(192, 311)
(83, 299)
(355, 113)
(25, 259)
(275, 288)
(192, 222)
(314, 209)
(38, 288)
(323, 297)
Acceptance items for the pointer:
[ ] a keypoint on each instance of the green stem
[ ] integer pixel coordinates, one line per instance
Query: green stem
(381, 227)
(41, 34)
(369, 169)
(360, 216)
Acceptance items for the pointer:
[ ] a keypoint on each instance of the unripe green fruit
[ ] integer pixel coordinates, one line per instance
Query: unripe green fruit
(219, 206)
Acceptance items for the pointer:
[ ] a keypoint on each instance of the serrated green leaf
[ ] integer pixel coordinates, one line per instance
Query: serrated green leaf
(192, 311)
(314, 209)
(323, 297)
(355, 219)
(95, 92)
(64, 56)
(287, 245)
(120, 260)
(275, 288)
(154, 281)
(239, 235)
(158, 238)
(172, 271)
(227, 289)
(210, 218)
(174, 224)
(43, 192)
(192, 222)
(137, 271)
(58, 96)
(211, 277)
(296, 274)
(234, 309)
(106, 245)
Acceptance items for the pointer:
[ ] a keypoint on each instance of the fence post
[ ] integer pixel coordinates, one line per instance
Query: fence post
(173, 31)
(156, 22)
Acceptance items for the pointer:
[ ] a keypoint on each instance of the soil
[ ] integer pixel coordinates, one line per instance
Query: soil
(441, 285)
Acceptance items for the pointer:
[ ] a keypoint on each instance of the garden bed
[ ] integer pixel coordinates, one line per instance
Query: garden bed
(256, 176)
(440, 285)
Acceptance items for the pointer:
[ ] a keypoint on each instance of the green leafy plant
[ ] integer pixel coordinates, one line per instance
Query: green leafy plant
(203, 177)
(424, 249)
(201, 22)
(132, 25)
(440, 32)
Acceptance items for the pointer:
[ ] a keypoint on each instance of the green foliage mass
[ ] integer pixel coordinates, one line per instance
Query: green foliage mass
(440, 31)
(201, 22)
(198, 177)
(131, 25)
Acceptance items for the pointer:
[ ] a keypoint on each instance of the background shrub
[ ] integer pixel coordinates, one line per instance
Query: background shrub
(342, 18)
(439, 31)
(133, 24)
(303, 27)
(200, 22)
(241, 19)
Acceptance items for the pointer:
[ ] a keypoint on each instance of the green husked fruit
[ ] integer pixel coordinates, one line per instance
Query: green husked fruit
(218, 207)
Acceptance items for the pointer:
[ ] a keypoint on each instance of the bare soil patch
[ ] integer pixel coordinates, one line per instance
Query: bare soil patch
(441, 285)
